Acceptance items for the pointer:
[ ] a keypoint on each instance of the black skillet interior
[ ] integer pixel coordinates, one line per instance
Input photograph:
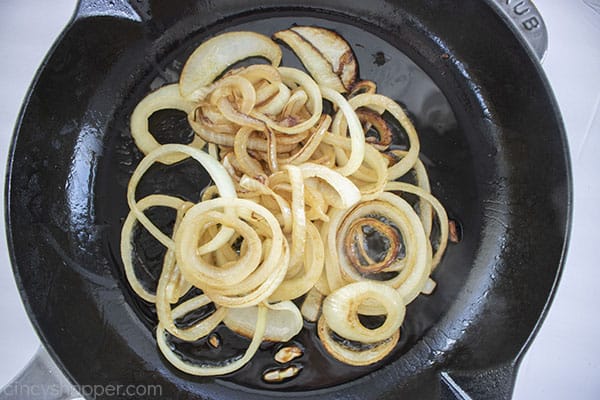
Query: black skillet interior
(491, 139)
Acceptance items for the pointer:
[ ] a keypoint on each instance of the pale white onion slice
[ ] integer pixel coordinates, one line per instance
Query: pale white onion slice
(216, 171)
(156, 200)
(212, 370)
(209, 60)
(341, 309)
(164, 98)
(357, 135)
(311, 307)
(254, 185)
(314, 258)
(348, 193)
(284, 321)
(375, 179)
(298, 214)
(429, 286)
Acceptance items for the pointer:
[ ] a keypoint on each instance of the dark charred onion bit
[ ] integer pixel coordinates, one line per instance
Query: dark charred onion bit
(453, 231)
(354, 244)
(237, 245)
(214, 340)
(392, 157)
(371, 119)
(363, 87)
(287, 354)
(281, 374)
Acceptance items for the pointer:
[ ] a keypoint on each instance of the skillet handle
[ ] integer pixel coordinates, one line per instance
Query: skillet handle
(107, 8)
(524, 18)
(493, 383)
(41, 379)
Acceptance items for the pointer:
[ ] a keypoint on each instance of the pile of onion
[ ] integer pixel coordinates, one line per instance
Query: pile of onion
(306, 218)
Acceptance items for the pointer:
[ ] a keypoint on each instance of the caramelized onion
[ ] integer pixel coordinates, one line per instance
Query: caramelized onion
(303, 204)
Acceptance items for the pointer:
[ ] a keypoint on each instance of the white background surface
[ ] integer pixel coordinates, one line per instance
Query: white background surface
(563, 361)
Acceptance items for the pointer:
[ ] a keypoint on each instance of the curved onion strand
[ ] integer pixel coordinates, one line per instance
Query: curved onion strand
(166, 97)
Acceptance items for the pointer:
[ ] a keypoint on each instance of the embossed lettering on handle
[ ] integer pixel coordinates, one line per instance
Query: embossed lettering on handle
(525, 19)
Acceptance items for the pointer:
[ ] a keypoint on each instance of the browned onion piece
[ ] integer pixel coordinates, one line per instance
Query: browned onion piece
(335, 49)
(314, 61)
(354, 243)
(374, 120)
(361, 87)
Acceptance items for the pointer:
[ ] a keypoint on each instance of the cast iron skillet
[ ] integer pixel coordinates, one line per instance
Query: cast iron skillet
(492, 139)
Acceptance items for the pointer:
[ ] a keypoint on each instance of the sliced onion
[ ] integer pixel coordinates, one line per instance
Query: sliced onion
(311, 145)
(357, 135)
(248, 164)
(276, 103)
(429, 286)
(199, 329)
(422, 180)
(348, 193)
(311, 306)
(314, 61)
(292, 76)
(411, 278)
(374, 120)
(314, 258)
(284, 207)
(439, 211)
(374, 179)
(363, 86)
(358, 357)
(212, 370)
(375, 101)
(156, 200)
(234, 86)
(340, 310)
(167, 97)
(216, 171)
(284, 321)
(262, 273)
(298, 214)
(335, 49)
(209, 60)
(259, 72)
(228, 140)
